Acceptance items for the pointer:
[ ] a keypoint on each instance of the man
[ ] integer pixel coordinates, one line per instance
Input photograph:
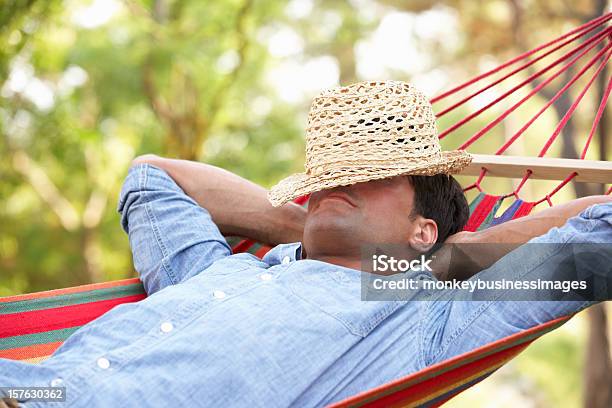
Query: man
(291, 329)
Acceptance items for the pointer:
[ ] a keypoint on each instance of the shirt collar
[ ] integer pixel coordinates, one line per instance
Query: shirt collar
(276, 255)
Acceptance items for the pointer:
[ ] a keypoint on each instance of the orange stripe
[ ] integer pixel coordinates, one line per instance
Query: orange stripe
(74, 289)
(30, 352)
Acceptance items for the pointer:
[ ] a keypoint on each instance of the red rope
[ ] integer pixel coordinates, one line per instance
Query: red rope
(572, 108)
(521, 68)
(600, 111)
(602, 106)
(535, 90)
(561, 91)
(549, 195)
(591, 42)
(476, 184)
(514, 193)
(560, 126)
(596, 22)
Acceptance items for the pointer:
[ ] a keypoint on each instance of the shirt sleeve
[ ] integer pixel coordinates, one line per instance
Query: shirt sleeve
(580, 250)
(172, 238)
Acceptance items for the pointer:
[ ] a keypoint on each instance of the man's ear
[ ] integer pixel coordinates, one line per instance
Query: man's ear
(424, 234)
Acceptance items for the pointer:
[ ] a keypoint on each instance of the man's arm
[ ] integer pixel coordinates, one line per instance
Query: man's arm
(579, 251)
(236, 205)
(172, 238)
(523, 229)
(476, 251)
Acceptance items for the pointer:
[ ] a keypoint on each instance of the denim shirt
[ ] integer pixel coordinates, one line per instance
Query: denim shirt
(234, 330)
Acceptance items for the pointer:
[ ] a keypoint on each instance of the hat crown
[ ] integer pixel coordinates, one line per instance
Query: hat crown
(370, 123)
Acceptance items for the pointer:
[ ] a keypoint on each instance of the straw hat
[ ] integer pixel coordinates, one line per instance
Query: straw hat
(368, 131)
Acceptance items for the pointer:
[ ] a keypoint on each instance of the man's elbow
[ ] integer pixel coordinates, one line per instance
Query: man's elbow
(148, 158)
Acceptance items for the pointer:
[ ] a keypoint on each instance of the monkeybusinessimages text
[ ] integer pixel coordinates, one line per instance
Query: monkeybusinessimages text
(385, 263)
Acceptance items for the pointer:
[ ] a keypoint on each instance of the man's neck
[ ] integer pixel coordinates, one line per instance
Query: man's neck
(350, 257)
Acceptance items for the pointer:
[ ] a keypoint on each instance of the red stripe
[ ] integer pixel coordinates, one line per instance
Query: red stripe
(243, 246)
(301, 200)
(523, 210)
(17, 324)
(262, 251)
(481, 212)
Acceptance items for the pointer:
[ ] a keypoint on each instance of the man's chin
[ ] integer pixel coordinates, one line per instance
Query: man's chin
(336, 224)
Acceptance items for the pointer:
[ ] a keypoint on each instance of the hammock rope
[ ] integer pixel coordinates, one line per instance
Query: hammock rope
(599, 21)
(591, 39)
(511, 73)
(563, 123)
(572, 108)
(559, 93)
(591, 44)
(600, 111)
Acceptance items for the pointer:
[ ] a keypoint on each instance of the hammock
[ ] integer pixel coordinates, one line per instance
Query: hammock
(33, 326)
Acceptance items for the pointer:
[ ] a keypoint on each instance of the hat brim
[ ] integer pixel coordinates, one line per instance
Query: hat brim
(296, 185)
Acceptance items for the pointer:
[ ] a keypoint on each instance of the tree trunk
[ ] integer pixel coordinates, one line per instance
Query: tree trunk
(597, 389)
(597, 369)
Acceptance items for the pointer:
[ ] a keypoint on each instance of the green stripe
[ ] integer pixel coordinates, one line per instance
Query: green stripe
(233, 241)
(487, 222)
(71, 299)
(256, 247)
(36, 338)
(475, 202)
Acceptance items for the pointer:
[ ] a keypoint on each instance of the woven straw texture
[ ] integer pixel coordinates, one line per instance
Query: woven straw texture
(368, 131)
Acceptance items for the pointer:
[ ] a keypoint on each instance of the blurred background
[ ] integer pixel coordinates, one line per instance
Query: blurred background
(85, 86)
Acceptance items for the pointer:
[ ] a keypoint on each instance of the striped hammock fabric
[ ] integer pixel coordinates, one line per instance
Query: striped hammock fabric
(33, 326)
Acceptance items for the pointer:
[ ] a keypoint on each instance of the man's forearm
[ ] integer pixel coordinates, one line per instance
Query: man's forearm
(236, 205)
(479, 250)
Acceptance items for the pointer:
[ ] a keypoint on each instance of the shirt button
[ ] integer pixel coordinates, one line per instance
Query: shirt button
(265, 276)
(166, 327)
(56, 382)
(286, 260)
(219, 294)
(103, 363)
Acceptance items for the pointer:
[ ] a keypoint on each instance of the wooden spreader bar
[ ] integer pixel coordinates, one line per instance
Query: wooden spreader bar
(543, 168)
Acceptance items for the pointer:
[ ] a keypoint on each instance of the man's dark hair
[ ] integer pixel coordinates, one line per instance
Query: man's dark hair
(441, 199)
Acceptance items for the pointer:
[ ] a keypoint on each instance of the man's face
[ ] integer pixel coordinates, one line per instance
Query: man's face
(371, 212)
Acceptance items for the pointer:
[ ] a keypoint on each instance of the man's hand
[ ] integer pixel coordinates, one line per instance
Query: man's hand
(238, 206)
